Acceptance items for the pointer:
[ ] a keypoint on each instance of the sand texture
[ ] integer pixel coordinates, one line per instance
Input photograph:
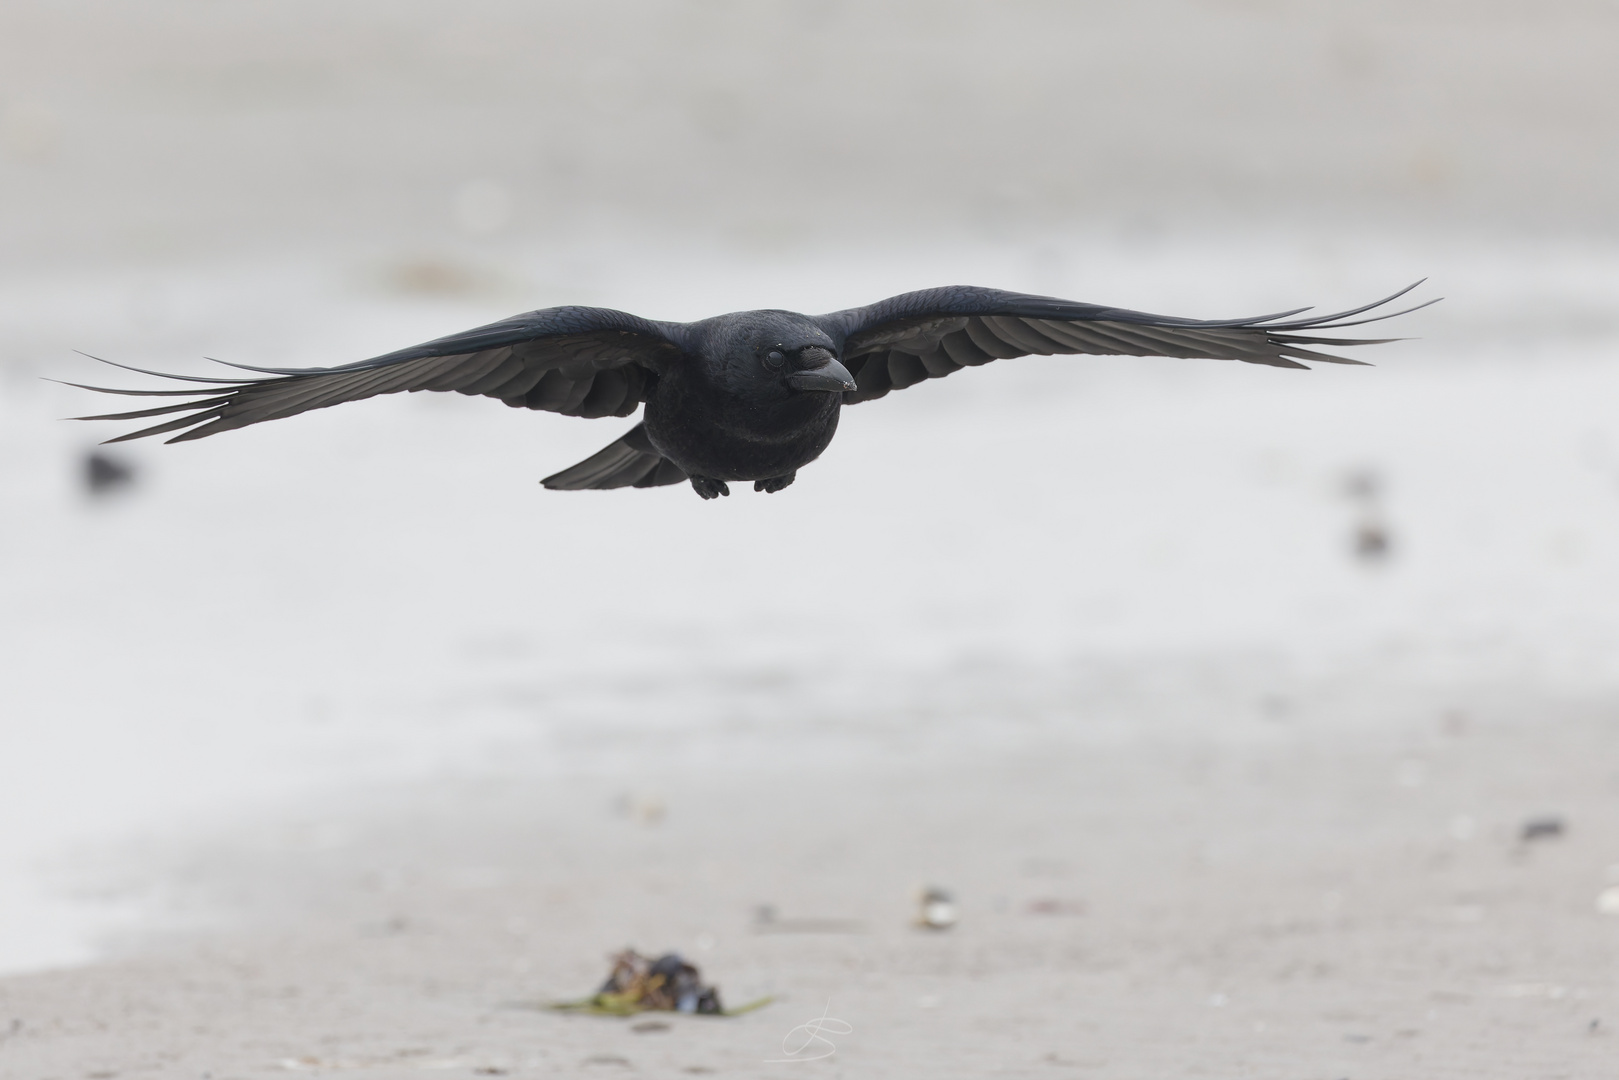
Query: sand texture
(1291, 903)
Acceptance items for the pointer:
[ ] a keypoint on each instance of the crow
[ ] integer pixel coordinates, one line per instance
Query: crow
(754, 395)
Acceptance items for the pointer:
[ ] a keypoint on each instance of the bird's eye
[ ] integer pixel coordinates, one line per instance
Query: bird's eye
(775, 358)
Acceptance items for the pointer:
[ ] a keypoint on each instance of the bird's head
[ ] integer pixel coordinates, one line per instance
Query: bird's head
(812, 368)
(798, 354)
(774, 355)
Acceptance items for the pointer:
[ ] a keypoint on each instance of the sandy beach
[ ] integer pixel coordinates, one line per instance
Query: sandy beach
(1249, 805)
(1337, 888)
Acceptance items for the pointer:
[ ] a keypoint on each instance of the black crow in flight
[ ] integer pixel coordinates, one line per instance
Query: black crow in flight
(753, 395)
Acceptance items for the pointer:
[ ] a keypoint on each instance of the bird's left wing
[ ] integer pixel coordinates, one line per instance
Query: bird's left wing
(905, 339)
(576, 361)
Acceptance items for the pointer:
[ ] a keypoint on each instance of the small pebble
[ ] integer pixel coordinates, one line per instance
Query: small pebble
(1371, 542)
(606, 1059)
(937, 909)
(644, 808)
(1055, 906)
(1608, 900)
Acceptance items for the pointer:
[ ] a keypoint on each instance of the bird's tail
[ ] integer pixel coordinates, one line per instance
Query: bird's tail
(632, 461)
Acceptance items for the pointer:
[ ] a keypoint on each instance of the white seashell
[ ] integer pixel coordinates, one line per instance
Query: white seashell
(937, 909)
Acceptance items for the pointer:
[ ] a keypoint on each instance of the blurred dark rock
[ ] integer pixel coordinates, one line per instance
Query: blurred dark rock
(1542, 828)
(104, 474)
(1364, 488)
(1371, 542)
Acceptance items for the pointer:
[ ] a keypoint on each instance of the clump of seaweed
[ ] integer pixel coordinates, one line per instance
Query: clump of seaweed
(640, 984)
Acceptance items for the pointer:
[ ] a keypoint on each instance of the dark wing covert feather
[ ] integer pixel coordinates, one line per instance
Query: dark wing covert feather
(916, 336)
(572, 360)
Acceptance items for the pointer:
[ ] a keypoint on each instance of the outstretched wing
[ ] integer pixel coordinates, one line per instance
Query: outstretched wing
(572, 360)
(929, 334)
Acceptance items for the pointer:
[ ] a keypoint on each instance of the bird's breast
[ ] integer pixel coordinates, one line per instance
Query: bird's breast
(728, 437)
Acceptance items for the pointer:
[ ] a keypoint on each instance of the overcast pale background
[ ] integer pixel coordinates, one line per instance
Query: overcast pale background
(382, 592)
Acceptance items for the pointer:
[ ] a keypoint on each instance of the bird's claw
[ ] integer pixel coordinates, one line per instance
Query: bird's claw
(775, 483)
(709, 489)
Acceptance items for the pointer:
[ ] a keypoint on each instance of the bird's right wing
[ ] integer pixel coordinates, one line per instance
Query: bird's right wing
(571, 360)
(916, 336)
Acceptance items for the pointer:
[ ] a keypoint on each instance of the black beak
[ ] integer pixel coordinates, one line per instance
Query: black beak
(831, 377)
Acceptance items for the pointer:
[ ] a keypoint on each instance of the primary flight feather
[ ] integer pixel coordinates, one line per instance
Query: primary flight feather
(754, 395)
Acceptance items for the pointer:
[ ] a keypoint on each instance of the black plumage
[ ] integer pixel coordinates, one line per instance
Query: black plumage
(753, 395)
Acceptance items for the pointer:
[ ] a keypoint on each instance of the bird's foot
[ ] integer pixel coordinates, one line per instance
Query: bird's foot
(775, 483)
(709, 489)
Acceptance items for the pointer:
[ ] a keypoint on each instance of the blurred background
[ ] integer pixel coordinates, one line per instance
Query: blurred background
(1090, 548)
